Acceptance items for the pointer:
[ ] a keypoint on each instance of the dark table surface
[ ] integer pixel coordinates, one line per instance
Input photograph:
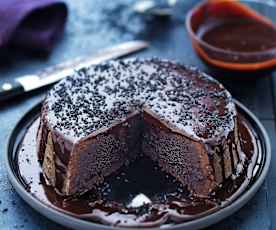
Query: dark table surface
(94, 24)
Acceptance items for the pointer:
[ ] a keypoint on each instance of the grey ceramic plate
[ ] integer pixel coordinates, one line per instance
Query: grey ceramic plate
(72, 222)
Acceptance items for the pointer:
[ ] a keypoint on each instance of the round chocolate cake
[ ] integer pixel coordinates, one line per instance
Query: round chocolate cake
(106, 116)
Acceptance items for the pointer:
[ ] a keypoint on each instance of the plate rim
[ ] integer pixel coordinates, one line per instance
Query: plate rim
(70, 221)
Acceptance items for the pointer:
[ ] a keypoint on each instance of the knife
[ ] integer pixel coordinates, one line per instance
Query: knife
(55, 73)
(156, 8)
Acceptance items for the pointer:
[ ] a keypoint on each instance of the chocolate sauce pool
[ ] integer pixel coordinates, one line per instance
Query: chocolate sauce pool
(242, 35)
(140, 195)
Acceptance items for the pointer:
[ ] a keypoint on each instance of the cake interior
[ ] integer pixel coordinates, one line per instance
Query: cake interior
(141, 134)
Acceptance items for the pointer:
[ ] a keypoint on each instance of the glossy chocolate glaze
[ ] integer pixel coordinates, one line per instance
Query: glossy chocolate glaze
(242, 35)
(135, 197)
(90, 111)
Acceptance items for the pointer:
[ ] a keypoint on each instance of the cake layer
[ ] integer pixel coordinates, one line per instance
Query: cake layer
(89, 161)
(184, 158)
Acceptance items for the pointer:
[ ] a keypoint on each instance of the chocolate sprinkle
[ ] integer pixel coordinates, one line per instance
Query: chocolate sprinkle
(182, 97)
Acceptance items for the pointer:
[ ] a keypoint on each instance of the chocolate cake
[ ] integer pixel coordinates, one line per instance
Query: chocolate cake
(105, 116)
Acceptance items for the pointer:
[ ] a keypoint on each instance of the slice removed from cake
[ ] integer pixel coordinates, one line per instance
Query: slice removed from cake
(105, 116)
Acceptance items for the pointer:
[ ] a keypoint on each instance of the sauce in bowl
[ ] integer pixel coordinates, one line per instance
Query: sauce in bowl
(231, 35)
(241, 35)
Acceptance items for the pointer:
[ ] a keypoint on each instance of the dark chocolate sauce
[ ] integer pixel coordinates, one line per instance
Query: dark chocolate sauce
(139, 194)
(241, 35)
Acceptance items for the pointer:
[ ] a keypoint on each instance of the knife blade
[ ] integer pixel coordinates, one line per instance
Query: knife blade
(55, 73)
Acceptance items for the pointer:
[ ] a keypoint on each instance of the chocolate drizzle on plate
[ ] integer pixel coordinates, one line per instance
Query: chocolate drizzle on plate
(138, 195)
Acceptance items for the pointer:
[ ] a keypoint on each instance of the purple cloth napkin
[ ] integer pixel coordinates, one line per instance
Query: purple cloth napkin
(31, 24)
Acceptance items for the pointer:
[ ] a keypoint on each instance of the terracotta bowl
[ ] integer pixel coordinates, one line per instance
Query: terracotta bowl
(263, 11)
